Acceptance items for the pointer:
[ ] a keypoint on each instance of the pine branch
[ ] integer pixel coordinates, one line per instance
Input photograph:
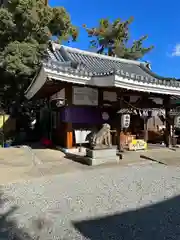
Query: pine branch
(114, 37)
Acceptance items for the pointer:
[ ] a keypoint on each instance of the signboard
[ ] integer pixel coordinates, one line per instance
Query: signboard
(81, 136)
(85, 96)
(125, 120)
(137, 144)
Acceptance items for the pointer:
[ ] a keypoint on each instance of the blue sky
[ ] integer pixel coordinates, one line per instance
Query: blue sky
(159, 19)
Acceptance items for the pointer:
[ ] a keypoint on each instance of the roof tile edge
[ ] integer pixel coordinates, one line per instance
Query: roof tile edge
(58, 46)
(147, 70)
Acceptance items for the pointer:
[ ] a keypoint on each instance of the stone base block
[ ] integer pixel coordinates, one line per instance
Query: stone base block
(101, 156)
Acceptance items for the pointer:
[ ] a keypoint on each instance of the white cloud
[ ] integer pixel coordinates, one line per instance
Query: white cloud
(176, 51)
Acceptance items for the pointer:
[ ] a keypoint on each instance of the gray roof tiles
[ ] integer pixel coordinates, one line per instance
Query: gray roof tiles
(89, 64)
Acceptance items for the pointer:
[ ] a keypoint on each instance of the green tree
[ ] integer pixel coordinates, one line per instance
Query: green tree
(26, 26)
(113, 38)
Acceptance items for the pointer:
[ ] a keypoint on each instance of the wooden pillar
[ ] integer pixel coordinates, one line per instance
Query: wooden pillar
(100, 97)
(68, 135)
(68, 126)
(168, 136)
(145, 116)
(119, 128)
(50, 120)
(145, 129)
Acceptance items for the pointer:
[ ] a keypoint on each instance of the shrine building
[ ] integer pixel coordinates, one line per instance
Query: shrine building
(83, 90)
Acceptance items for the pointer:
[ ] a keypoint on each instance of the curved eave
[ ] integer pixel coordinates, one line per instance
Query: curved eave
(141, 86)
(154, 75)
(111, 80)
(55, 74)
(36, 84)
(66, 76)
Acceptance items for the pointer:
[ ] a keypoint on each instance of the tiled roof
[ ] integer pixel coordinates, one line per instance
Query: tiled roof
(91, 63)
(100, 65)
(85, 63)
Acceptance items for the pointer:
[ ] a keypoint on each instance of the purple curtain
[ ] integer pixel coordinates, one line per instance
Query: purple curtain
(82, 115)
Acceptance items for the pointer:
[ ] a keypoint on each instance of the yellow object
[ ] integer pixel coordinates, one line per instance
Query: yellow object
(137, 144)
(6, 117)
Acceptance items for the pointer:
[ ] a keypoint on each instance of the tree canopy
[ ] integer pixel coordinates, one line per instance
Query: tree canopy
(113, 38)
(26, 26)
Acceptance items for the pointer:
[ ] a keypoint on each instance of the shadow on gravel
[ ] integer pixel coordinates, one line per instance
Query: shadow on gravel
(152, 159)
(9, 229)
(76, 158)
(158, 222)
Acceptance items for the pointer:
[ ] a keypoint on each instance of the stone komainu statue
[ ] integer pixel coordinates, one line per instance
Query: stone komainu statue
(102, 137)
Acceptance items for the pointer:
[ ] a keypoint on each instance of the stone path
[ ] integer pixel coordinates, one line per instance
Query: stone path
(25, 163)
(127, 203)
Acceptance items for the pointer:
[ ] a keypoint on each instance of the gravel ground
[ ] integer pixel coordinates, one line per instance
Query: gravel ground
(135, 202)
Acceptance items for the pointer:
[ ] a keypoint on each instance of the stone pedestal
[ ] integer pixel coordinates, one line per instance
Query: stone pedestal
(101, 156)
